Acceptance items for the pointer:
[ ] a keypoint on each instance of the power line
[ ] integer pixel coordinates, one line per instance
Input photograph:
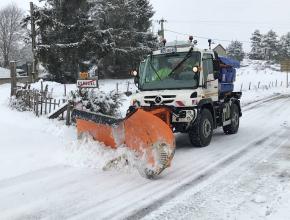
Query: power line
(230, 22)
(203, 37)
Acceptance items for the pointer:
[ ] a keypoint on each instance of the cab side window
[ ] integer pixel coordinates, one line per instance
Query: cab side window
(207, 62)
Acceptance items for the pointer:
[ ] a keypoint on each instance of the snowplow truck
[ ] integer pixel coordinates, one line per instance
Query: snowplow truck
(180, 89)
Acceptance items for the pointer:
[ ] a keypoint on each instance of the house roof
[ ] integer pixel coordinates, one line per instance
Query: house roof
(219, 45)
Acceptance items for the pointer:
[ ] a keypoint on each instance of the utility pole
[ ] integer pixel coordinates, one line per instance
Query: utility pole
(33, 40)
(13, 78)
(161, 32)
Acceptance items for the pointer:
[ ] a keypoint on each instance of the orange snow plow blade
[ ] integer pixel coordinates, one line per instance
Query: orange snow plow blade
(146, 133)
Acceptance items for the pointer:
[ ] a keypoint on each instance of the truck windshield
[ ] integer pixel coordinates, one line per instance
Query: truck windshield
(157, 72)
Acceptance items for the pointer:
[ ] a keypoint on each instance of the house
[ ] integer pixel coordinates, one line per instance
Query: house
(220, 50)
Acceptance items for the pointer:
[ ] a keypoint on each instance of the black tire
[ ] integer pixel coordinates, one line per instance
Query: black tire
(200, 133)
(235, 121)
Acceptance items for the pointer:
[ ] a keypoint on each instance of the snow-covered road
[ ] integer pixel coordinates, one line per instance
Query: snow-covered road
(207, 183)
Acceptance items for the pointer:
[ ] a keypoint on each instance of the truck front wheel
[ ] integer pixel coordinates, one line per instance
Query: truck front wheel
(235, 121)
(200, 133)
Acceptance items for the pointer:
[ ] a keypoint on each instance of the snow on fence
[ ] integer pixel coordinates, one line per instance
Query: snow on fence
(41, 103)
(259, 86)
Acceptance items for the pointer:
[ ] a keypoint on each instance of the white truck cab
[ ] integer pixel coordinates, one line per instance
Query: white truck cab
(185, 79)
(185, 88)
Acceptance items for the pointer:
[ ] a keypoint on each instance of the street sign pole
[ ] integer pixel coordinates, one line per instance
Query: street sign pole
(285, 67)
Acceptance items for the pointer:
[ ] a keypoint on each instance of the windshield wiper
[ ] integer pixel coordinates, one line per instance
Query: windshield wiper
(155, 71)
(187, 56)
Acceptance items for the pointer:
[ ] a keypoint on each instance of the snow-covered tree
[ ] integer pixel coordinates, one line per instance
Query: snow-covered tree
(270, 46)
(98, 101)
(10, 32)
(128, 23)
(67, 37)
(235, 50)
(256, 51)
(284, 52)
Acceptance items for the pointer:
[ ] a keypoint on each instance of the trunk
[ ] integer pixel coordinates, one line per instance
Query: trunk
(6, 61)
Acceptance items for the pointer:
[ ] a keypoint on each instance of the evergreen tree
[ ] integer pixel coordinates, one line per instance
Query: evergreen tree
(128, 23)
(270, 45)
(256, 41)
(285, 47)
(235, 50)
(68, 38)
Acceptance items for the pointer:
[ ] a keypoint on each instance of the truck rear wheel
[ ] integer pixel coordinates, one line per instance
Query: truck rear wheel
(201, 132)
(235, 121)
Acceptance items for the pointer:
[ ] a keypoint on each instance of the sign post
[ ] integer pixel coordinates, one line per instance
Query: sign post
(86, 81)
(285, 67)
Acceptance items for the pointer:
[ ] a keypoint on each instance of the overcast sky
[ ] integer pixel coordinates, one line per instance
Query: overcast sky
(217, 19)
(223, 19)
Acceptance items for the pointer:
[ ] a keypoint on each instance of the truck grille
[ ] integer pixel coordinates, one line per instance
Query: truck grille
(159, 100)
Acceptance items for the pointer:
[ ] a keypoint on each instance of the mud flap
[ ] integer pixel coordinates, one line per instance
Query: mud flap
(143, 132)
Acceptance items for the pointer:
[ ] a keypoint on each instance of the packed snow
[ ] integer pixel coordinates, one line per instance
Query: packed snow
(47, 173)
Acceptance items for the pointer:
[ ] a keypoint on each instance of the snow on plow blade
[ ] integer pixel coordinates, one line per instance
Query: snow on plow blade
(143, 132)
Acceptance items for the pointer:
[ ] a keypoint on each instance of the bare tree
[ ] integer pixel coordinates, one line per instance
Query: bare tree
(10, 30)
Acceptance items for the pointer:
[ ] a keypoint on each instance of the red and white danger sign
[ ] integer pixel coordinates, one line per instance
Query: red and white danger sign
(89, 83)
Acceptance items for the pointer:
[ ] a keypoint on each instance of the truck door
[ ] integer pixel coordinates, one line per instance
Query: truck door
(211, 85)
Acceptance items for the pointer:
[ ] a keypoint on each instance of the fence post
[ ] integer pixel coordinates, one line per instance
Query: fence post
(13, 77)
(50, 101)
(128, 86)
(68, 114)
(46, 90)
(117, 87)
(259, 84)
(250, 85)
(41, 87)
(64, 90)
(37, 103)
(241, 88)
(45, 105)
(287, 80)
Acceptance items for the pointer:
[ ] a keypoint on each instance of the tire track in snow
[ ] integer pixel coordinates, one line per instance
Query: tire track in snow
(203, 176)
(185, 206)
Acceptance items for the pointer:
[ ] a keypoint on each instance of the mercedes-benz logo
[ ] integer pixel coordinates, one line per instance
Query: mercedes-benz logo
(158, 99)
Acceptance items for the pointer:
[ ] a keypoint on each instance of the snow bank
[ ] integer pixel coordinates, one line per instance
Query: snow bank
(91, 154)
(258, 80)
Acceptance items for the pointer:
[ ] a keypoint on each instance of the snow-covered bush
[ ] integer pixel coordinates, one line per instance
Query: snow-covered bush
(19, 104)
(98, 101)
